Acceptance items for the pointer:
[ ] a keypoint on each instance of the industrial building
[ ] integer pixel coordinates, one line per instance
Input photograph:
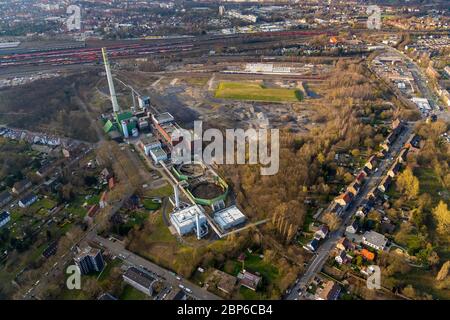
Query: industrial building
(229, 218)
(158, 154)
(144, 102)
(89, 260)
(163, 118)
(188, 219)
(149, 142)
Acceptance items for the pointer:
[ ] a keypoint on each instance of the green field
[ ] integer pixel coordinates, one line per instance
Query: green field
(256, 92)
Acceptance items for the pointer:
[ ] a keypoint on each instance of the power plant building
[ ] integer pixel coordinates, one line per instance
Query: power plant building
(229, 218)
(162, 118)
(158, 154)
(149, 142)
(144, 102)
(185, 221)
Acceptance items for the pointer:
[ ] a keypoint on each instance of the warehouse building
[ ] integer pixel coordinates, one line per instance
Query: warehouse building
(229, 218)
(185, 221)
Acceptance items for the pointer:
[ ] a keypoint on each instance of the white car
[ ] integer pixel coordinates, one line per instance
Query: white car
(188, 290)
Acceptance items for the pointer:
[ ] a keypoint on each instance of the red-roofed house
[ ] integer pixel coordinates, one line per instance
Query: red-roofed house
(344, 199)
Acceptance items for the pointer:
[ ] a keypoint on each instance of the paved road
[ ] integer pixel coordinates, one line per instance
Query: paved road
(324, 250)
(118, 249)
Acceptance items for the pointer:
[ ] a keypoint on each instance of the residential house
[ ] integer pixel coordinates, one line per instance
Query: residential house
(354, 187)
(27, 200)
(21, 186)
(140, 280)
(403, 155)
(364, 208)
(371, 163)
(352, 227)
(361, 176)
(330, 291)
(342, 257)
(226, 281)
(344, 200)
(5, 197)
(322, 232)
(373, 194)
(385, 183)
(312, 245)
(413, 142)
(385, 147)
(396, 124)
(344, 244)
(249, 280)
(336, 209)
(103, 200)
(5, 217)
(375, 240)
(395, 168)
(44, 170)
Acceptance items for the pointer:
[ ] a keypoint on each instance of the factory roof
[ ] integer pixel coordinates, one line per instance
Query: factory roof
(228, 216)
(187, 216)
(158, 152)
(108, 126)
(124, 116)
(149, 139)
(164, 117)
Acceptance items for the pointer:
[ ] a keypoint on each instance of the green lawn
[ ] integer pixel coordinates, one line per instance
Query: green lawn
(161, 233)
(164, 191)
(150, 204)
(130, 293)
(256, 92)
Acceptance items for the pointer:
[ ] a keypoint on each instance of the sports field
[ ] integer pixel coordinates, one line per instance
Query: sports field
(256, 92)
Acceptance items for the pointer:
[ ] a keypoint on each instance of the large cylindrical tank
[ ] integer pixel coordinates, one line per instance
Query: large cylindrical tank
(135, 132)
(125, 129)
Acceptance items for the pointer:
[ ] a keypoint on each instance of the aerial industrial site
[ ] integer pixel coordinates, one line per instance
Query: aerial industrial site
(224, 150)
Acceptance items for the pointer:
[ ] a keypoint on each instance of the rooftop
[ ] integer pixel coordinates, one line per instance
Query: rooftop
(4, 215)
(228, 216)
(375, 238)
(141, 277)
(187, 216)
(158, 152)
(164, 117)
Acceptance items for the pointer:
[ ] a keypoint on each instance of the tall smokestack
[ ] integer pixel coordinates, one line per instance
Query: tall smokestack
(177, 196)
(197, 221)
(112, 91)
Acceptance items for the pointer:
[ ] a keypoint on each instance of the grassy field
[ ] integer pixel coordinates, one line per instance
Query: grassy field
(256, 92)
(130, 293)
